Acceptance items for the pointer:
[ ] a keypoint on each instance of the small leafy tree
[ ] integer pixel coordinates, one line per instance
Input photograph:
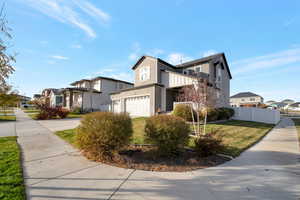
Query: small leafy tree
(6, 59)
(201, 96)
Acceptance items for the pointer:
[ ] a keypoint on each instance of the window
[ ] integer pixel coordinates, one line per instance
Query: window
(252, 99)
(185, 72)
(242, 99)
(144, 73)
(219, 74)
(198, 68)
(59, 100)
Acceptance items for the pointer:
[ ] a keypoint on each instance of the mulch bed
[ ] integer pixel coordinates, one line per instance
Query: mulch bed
(145, 158)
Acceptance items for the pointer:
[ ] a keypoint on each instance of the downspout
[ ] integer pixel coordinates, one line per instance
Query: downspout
(82, 102)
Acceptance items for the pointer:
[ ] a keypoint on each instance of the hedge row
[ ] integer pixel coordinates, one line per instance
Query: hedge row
(213, 114)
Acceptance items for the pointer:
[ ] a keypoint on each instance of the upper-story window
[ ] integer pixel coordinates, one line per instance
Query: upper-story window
(198, 68)
(219, 74)
(144, 73)
(252, 99)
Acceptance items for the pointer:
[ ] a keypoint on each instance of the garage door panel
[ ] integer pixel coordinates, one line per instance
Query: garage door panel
(138, 106)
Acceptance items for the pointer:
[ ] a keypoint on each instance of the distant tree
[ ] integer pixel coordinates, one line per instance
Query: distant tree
(8, 98)
(6, 59)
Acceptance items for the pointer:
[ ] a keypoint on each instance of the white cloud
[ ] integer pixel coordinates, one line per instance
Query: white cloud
(133, 56)
(268, 61)
(136, 51)
(93, 11)
(289, 22)
(70, 12)
(155, 52)
(178, 58)
(104, 71)
(209, 52)
(59, 57)
(76, 46)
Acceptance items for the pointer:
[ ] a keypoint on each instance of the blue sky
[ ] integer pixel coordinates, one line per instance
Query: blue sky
(60, 41)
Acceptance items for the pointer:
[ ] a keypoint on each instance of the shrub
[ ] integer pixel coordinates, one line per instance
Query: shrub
(225, 113)
(168, 132)
(77, 110)
(209, 144)
(184, 111)
(42, 116)
(62, 112)
(212, 114)
(102, 134)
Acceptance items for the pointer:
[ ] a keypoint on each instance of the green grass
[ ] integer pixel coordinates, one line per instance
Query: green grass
(11, 178)
(70, 116)
(237, 135)
(7, 118)
(6, 111)
(297, 123)
(31, 111)
(67, 135)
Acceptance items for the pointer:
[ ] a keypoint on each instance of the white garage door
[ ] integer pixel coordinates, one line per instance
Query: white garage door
(116, 106)
(138, 106)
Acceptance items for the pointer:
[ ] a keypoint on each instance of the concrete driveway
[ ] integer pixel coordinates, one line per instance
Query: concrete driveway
(60, 124)
(55, 170)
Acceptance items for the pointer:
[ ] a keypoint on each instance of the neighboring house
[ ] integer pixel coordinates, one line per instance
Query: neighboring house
(92, 94)
(246, 99)
(288, 101)
(294, 106)
(270, 102)
(37, 96)
(157, 84)
(278, 105)
(45, 96)
(56, 97)
(23, 100)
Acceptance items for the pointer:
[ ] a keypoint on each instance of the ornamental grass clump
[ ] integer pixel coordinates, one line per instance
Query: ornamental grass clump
(102, 134)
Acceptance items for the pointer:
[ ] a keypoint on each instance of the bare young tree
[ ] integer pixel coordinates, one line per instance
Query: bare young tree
(201, 96)
(6, 59)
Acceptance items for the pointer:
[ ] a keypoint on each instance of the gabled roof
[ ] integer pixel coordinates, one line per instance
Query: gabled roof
(190, 63)
(111, 79)
(297, 104)
(214, 57)
(245, 94)
(81, 89)
(100, 77)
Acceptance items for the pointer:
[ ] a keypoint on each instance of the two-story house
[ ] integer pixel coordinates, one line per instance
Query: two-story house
(246, 99)
(157, 84)
(92, 94)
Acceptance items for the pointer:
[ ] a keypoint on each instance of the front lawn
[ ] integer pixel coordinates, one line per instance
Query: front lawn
(7, 118)
(6, 111)
(11, 177)
(31, 111)
(237, 135)
(297, 123)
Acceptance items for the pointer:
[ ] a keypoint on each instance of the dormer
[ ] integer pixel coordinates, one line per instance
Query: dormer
(145, 71)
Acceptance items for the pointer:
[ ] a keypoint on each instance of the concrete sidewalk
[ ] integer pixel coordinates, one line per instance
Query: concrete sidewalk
(55, 170)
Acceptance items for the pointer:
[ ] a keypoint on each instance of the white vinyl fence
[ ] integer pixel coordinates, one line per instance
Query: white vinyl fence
(257, 115)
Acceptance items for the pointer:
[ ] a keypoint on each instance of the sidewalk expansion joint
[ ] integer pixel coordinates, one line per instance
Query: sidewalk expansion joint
(53, 156)
(56, 177)
(122, 183)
